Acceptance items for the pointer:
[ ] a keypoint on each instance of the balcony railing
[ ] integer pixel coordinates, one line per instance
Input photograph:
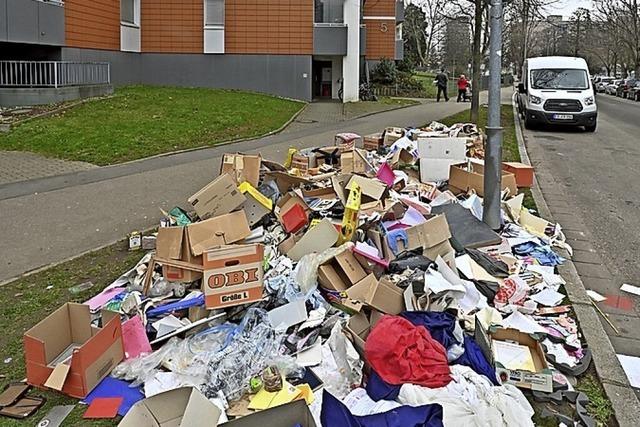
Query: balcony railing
(53, 73)
(58, 2)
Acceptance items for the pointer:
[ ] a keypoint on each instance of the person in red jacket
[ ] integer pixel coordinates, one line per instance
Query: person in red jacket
(463, 84)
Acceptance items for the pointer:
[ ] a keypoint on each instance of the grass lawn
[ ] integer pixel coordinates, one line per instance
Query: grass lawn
(510, 151)
(140, 121)
(427, 81)
(27, 301)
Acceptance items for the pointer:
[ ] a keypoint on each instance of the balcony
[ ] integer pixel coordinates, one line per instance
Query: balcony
(399, 11)
(329, 39)
(32, 21)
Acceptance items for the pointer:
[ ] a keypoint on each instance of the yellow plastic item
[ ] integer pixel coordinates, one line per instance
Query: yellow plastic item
(292, 152)
(245, 187)
(350, 217)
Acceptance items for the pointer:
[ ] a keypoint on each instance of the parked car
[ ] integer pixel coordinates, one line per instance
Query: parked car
(634, 92)
(602, 83)
(557, 90)
(623, 88)
(610, 89)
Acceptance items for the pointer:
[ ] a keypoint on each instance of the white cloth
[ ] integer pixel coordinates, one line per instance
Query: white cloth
(472, 401)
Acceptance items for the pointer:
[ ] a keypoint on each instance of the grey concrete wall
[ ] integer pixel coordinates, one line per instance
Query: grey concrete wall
(282, 75)
(399, 50)
(10, 97)
(30, 21)
(329, 40)
(399, 11)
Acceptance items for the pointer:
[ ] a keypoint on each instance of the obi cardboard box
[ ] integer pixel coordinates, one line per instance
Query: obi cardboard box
(219, 197)
(187, 244)
(233, 275)
(470, 176)
(518, 358)
(65, 352)
(180, 407)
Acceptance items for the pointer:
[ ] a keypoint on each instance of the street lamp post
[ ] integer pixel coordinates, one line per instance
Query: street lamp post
(493, 156)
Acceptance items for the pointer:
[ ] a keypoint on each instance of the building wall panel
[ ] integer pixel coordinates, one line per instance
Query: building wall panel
(381, 39)
(380, 8)
(93, 24)
(172, 26)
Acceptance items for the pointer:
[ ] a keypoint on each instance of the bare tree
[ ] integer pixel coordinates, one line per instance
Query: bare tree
(623, 18)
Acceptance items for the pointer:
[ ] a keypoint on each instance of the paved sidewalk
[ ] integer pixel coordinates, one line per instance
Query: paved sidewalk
(52, 219)
(22, 166)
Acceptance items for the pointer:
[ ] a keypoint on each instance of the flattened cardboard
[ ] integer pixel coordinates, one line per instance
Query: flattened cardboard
(540, 380)
(181, 407)
(58, 377)
(233, 275)
(98, 350)
(467, 176)
(429, 234)
(291, 414)
(219, 197)
(316, 239)
(242, 167)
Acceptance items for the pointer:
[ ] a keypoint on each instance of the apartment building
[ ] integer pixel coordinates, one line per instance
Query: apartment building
(302, 49)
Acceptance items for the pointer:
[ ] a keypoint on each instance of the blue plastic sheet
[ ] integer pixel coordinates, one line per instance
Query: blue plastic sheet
(112, 387)
(335, 413)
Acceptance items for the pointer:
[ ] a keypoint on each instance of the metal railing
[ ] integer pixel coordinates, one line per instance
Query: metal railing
(53, 73)
(56, 2)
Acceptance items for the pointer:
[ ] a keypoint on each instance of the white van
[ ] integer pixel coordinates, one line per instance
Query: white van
(557, 90)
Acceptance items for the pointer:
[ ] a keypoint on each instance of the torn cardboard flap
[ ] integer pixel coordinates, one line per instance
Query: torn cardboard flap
(181, 407)
(219, 197)
(242, 167)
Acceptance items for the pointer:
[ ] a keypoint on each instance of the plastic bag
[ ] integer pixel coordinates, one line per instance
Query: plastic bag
(143, 368)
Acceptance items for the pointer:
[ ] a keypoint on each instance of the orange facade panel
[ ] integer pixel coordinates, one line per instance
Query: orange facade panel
(381, 39)
(380, 8)
(282, 27)
(92, 24)
(172, 26)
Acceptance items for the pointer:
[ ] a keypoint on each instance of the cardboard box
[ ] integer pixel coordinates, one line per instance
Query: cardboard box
(354, 161)
(523, 173)
(437, 155)
(470, 176)
(539, 377)
(347, 141)
(219, 197)
(317, 239)
(372, 188)
(304, 161)
(292, 414)
(372, 142)
(382, 295)
(391, 135)
(359, 326)
(432, 236)
(65, 352)
(188, 243)
(181, 407)
(233, 275)
(341, 272)
(242, 167)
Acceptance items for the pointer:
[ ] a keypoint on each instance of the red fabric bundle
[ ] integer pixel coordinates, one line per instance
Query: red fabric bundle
(403, 353)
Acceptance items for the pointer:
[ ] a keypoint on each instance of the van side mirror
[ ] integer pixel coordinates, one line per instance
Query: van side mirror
(521, 88)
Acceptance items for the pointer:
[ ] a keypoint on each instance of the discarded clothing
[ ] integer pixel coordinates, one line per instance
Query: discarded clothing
(472, 401)
(543, 254)
(443, 327)
(494, 267)
(401, 352)
(377, 389)
(335, 413)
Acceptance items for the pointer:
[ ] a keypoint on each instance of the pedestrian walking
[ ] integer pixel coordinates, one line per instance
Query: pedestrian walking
(441, 83)
(463, 86)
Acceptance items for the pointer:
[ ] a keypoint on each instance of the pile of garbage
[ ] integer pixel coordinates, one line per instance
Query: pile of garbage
(351, 285)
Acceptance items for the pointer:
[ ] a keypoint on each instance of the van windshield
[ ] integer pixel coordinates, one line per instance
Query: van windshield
(559, 78)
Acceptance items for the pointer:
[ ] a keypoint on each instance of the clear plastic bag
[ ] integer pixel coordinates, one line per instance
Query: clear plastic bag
(306, 272)
(142, 368)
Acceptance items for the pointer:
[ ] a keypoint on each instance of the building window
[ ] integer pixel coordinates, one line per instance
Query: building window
(128, 13)
(214, 12)
(399, 32)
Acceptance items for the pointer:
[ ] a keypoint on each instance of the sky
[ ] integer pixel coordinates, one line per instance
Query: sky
(566, 7)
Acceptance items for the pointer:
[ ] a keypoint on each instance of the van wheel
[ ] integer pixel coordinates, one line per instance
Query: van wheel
(591, 128)
(528, 124)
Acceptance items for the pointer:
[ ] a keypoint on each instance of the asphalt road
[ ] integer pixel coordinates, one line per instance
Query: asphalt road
(595, 195)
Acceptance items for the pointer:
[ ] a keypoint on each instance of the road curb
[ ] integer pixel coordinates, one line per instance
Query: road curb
(624, 400)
